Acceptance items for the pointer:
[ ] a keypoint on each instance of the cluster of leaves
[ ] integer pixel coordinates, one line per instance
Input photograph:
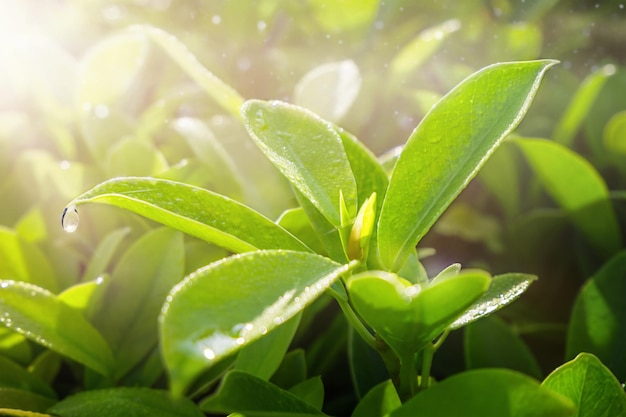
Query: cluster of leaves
(107, 320)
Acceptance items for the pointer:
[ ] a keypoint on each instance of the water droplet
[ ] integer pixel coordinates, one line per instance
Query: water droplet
(217, 19)
(263, 330)
(69, 219)
(209, 354)
(278, 320)
(65, 164)
(240, 341)
(101, 111)
(261, 25)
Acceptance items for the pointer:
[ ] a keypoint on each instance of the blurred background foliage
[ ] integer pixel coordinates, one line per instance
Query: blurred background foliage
(83, 98)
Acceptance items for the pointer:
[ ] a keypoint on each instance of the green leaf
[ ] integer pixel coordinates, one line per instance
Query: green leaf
(122, 159)
(79, 296)
(14, 376)
(598, 322)
(125, 402)
(448, 147)
(217, 89)
(487, 393)
(43, 318)
(490, 343)
(590, 385)
(16, 399)
(218, 309)
(104, 253)
(578, 108)
(271, 347)
(329, 89)
(419, 49)
(196, 211)
(15, 346)
(254, 397)
(367, 369)
(614, 133)
(296, 222)
(407, 317)
(22, 261)
(578, 188)
(379, 401)
(501, 176)
(307, 150)
(292, 370)
(311, 391)
(503, 290)
(136, 292)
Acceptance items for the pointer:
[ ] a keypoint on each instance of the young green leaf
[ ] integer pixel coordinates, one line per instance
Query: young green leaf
(590, 385)
(308, 152)
(196, 211)
(490, 343)
(487, 393)
(578, 188)
(379, 401)
(311, 391)
(220, 308)
(448, 147)
(407, 317)
(14, 376)
(104, 253)
(42, 317)
(125, 402)
(16, 402)
(254, 397)
(598, 322)
(503, 290)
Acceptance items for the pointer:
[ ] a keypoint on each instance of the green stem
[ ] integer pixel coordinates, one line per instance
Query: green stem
(427, 361)
(356, 322)
(408, 378)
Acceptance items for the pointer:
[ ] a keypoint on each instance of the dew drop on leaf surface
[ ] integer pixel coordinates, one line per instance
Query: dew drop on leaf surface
(69, 219)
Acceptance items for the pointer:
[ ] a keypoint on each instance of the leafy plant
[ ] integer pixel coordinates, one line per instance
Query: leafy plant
(106, 321)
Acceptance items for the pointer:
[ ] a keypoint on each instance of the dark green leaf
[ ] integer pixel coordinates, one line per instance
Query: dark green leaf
(379, 401)
(598, 323)
(590, 385)
(16, 399)
(448, 147)
(490, 343)
(578, 188)
(311, 391)
(125, 402)
(14, 376)
(196, 211)
(487, 393)
(254, 397)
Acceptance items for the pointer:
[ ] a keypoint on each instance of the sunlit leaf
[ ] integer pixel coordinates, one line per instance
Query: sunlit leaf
(307, 150)
(196, 211)
(448, 147)
(42, 317)
(218, 309)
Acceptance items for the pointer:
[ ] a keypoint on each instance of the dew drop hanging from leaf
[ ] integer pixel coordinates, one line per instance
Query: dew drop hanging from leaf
(69, 219)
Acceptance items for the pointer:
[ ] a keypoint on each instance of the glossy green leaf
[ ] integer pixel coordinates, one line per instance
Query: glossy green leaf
(407, 317)
(578, 188)
(79, 296)
(590, 385)
(196, 211)
(296, 222)
(329, 89)
(598, 322)
(490, 343)
(42, 317)
(136, 292)
(503, 290)
(271, 347)
(311, 391)
(448, 147)
(379, 401)
(22, 261)
(578, 108)
(15, 346)
(125, 402)
(487, 393)
(14, 376)
(16, 399)
(218, 309)
(217, 89)
(254, 397)
(307, 150)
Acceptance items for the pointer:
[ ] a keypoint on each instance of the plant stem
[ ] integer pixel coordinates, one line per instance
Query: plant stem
(427, 361)
(356, 322)
(408, 378)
